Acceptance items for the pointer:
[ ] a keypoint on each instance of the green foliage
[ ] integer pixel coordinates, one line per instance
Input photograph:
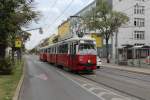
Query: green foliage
(6, 66)
(8, 83)
(14, 14)
(104, 19)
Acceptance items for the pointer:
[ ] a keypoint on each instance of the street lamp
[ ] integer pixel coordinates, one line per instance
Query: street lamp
(40, 30)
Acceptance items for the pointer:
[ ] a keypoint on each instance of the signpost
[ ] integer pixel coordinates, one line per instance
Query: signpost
(18, 42)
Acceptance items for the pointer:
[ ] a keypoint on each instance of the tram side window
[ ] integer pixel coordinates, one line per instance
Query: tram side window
(74, 49)
(45, 50)
(58, 49)
(63, 48)
(55, 50)
(52, 50)
(49, 50)
(71, 52)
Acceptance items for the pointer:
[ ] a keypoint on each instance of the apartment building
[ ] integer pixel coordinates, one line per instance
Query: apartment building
(136, 32)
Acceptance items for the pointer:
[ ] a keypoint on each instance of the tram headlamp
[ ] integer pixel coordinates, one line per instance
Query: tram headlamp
(89, 61)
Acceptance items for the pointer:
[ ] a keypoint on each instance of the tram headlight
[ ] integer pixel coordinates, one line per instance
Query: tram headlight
(89, 61)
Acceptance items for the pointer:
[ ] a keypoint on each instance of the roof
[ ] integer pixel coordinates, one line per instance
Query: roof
(127, 45)
(68, 40)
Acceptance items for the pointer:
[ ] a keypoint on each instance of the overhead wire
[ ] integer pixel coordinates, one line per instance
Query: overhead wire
(70, 5)
(62, 15)
(73, 11)
(57, 18)
(53, 5)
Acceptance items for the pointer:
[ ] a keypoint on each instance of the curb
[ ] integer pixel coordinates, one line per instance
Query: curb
(140, 72)
(18, 89)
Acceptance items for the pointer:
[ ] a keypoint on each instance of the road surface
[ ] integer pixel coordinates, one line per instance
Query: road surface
(46, 82)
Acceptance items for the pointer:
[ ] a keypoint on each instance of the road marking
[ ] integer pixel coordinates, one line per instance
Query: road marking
(116, 99)
(103, 89)
(94, 87)
(42, 76)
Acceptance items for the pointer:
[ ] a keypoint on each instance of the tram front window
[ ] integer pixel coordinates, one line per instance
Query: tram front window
(87, 49)
(86, 46)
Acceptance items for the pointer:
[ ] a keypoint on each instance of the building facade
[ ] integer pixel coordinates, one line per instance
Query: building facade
(136, 32)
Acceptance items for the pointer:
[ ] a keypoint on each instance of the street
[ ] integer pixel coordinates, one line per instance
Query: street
(46, 82)
(74, 50)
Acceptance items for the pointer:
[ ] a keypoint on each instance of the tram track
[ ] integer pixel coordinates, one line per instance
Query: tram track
(128, 76)
(111, 87)
(104, 84)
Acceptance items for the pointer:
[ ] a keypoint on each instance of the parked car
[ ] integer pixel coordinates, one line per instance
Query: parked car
(147, 60)
(99, 62)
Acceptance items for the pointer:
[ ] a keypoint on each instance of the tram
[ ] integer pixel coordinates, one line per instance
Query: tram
(43, 54)
(75, 54)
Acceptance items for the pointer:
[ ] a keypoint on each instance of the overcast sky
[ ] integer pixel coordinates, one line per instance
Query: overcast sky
(50, 11)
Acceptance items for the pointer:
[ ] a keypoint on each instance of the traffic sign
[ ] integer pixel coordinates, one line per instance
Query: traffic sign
(18, 43)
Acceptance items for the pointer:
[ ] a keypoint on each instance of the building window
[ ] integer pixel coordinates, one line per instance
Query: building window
(139, 22)
(139, 9)
(139, 35)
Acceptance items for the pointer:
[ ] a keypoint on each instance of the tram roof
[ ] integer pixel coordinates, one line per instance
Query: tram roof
(68, 40)
(77, 38)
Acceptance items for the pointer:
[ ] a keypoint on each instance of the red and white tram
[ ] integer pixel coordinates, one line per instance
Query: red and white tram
(76, 54)
(43, 54)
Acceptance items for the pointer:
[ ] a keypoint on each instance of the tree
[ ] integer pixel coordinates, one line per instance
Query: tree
(14, 14)
(104, 19)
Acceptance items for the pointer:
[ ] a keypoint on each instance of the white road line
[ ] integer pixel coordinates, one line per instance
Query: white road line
(102, 93)
(95, 87)
(116, 99)
(79, 84)
(126, 98)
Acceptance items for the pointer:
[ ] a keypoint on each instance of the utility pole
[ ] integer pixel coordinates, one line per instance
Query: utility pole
(116, 47)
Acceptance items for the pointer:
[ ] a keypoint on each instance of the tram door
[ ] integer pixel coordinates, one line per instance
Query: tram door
(73, 54)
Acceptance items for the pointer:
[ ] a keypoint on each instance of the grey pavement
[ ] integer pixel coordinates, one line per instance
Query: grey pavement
(131, 83)
(46, 82)
(43, 82)
(127, 68)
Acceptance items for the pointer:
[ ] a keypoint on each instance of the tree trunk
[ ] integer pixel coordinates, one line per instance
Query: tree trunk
(2, 51)
(107, 51)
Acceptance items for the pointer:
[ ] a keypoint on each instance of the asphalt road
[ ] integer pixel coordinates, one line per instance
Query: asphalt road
(46, 82)
(131, 83)
(43, 82)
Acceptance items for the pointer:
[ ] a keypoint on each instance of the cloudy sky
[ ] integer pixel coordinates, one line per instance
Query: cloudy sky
(53, 13)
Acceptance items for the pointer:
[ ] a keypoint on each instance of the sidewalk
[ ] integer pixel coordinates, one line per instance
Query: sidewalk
(127, 68)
